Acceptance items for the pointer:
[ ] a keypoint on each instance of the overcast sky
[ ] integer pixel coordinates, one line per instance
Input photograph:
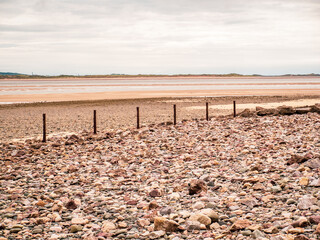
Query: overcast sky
(53, 37)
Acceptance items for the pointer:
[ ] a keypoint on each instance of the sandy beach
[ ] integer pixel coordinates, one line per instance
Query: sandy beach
(153, 94)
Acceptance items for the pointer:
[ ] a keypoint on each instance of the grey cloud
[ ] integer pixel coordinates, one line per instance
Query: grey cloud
(7, 45)
(33, 28)
(184, 34)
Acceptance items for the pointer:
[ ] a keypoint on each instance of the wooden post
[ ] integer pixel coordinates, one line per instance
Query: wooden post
(44, 137)
(234, 109)
(207, 111)
(174, 114)
(94, 122)
(138, 118)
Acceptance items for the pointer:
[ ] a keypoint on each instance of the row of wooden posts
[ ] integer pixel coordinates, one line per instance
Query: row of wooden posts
(44, 139)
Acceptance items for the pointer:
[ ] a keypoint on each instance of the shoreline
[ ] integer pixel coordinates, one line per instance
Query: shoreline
(130, 95)
(155, 76)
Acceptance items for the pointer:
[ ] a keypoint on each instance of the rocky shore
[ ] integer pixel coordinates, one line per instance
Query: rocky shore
(228, 178)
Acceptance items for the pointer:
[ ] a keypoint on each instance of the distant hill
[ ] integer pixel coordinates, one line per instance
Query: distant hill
(10, 73)
(303, 75)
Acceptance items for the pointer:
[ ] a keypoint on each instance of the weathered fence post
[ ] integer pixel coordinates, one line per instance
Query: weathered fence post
(207, 111)
(94, 122)
(174, 114)
(138, 118)
(44, 137)
(234, 109)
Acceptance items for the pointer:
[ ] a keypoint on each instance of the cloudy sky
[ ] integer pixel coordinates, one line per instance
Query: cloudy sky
(55, 37)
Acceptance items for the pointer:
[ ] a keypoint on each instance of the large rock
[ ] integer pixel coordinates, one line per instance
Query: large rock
(250, 202)
(56, 217)
(198, 205)
(286, 110)
(301, 237)
(304, 181)
(247, 113)
(197, 186)
(313, 163)
(107, 226)
(79, 221)
(301, 222)
(298, 159)
(314, 219)
(75, 228)
(155, 193)
(193, 225)
(306, 202)
(157, 234)
(201, 218)
(214, 216)
(315, 108)
(303, 110)
(143, 222)
(296, 230)
(317, 229)
(161, 223)
(315, 183)
(152, 205)
(265, 112)
(257, 234)
(240, 224)
(166, 210)
(71, 205)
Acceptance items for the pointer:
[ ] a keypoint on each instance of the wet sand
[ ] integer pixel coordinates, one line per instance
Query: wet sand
(154, 94)
(82, 89)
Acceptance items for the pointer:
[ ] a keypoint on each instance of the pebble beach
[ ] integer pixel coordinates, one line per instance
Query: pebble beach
(159, 120)
(227, 178)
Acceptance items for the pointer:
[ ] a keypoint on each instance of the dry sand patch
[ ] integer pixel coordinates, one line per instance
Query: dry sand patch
(293, 103)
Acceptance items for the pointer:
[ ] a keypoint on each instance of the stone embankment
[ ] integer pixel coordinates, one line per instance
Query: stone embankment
(282, 110)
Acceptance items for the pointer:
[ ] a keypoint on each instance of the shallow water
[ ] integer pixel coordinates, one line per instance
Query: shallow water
(18, 87)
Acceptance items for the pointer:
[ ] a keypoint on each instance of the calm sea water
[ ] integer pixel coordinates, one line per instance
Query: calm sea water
(13, 87)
